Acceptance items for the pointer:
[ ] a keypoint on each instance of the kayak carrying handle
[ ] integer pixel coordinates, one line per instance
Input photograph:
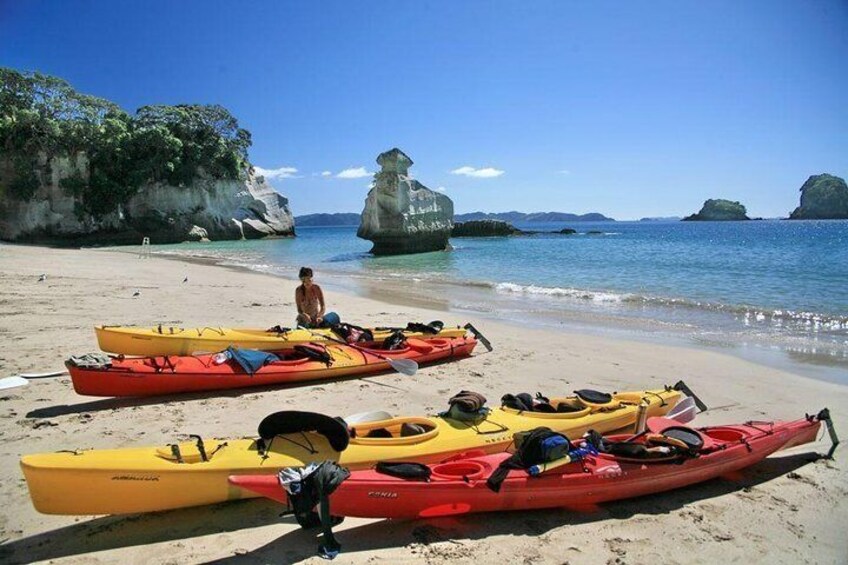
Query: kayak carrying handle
(200, 447)
(480, 337)
(824, 416)
(684, 388)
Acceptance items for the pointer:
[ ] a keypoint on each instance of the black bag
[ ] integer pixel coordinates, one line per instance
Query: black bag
(395, 341)
(409, 471)
(353, 334)
(531, 449)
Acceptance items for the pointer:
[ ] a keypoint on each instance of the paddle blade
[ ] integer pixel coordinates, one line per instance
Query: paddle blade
(43, 375)
(363, 417)
(12, 382)
(685, 410)
(406, 366)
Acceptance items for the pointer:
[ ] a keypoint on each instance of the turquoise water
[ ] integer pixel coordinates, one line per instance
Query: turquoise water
(769, 284)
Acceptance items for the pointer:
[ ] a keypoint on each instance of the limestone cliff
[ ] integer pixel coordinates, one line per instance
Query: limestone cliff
(402, 215)
(223, 209)
(823, 197)
(718, 210)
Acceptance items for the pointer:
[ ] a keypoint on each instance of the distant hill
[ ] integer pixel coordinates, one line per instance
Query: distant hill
(662, 219)
(341, 219)
(548, 217)
(352, 219)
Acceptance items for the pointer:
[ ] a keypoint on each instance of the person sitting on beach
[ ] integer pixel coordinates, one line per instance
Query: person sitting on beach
(310, 303)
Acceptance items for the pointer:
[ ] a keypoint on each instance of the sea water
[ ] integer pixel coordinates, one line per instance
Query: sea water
(759, 287)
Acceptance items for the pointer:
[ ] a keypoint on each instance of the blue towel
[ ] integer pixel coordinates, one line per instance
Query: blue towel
(251, 360)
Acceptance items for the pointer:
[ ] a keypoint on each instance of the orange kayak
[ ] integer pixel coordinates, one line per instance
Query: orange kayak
(151, 376)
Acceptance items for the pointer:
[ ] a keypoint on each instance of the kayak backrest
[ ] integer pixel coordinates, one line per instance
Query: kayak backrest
(293, 421)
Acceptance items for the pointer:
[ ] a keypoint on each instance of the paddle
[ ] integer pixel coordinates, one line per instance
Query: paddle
(24, 378)
(406, 366)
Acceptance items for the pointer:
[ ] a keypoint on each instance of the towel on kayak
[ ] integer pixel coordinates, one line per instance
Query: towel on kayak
(251, 360)
(91, 361)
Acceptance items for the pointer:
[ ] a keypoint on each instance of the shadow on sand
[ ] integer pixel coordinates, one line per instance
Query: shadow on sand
(113, 532)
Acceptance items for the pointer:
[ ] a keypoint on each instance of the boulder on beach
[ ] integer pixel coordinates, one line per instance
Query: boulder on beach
(823, 197)
(484, 228)
(718, 210)
(402, 215)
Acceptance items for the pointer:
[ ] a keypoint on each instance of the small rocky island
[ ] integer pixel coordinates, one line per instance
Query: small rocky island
(499, 228)
(77, 169)
(402, 215)
(823, 197)
(718, 210)
(484, 228)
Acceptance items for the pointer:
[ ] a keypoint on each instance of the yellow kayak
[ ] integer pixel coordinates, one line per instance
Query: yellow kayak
(164, 340)
(145, 479)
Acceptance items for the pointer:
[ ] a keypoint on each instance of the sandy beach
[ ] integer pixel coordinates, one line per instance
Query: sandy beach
(789, 509)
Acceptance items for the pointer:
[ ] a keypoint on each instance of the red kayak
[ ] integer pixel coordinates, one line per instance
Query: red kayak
(151, 376)
(458, 485)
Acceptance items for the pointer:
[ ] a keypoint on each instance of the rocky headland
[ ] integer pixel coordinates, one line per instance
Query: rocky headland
(76, 169)
(402, 215)
(718, 210)
(823, 197)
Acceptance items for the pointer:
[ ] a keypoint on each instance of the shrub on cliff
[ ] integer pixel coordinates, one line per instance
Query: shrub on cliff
(42, 117)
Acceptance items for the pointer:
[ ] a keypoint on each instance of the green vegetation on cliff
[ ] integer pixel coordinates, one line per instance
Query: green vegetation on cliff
(42, 117)
(715, 210)
(823, 197)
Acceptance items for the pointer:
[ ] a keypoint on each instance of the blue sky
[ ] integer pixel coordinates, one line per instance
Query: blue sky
(630, 109)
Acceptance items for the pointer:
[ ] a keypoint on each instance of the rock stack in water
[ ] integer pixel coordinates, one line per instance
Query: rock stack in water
(823, 197)
(402, 215)
(719, 210)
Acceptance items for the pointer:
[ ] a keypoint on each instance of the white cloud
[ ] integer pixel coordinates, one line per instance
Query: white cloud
(353, 173)
(277, 174)
(326, 173)
(564, 172)
(484, 173)
(441, 189)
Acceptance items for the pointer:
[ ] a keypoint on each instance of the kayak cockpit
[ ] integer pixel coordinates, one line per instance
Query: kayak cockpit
(396, 431)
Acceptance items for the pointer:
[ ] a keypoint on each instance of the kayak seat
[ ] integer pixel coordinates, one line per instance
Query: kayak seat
(412, 429)
(379, 432)
(568, 407)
